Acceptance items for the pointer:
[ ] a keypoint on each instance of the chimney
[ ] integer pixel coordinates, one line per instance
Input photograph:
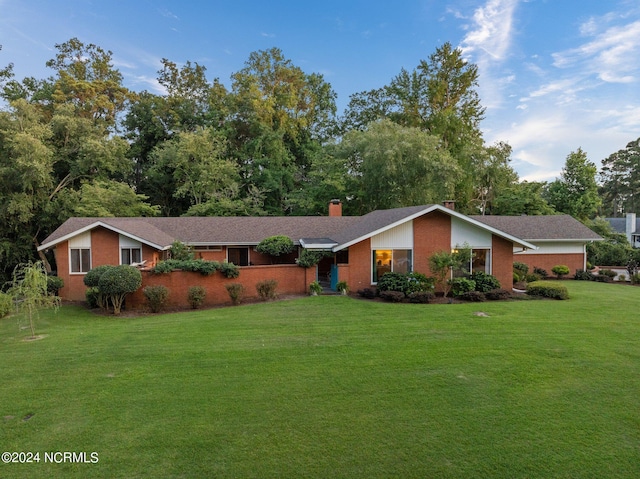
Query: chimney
(335, 208)
(451, 204)
(630, 226)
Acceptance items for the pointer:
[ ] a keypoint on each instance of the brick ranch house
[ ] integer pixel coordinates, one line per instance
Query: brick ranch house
(361, 248)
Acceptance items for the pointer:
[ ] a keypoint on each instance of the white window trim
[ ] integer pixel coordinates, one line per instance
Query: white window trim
(392, 250)
(71, 272)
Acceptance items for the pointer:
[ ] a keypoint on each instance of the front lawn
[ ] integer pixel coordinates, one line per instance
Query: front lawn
(332, 387)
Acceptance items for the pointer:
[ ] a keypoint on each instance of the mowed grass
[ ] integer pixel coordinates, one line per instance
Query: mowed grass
(332, 387)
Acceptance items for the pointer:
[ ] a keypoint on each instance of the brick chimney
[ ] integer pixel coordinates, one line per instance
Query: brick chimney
(335, 208)
(451, 204)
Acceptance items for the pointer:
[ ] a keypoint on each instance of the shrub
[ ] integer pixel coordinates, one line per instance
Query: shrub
(460, 286)
(91, 296)
(498, 294)
(229, 270)
(622, 278)
(117, 282)
(393, 282)
(6, 304)
(156, 297)
(54, 284)
(367, 293)
(315, 288)
(632, 267)
(418, 282)
(560, 270)
(309, 258)
(602, 278)
(540, 272)
(532, 277)
(635, 279)
(267, 289)
(236, 292)
(484, 282)
(422, 297)
(342, 286)
(393, 296)
(196, 295)
(275, 245)
(582, 275)
(180, 251)
(547, 289)
(474, 296)
(521, 269)
(608, 272)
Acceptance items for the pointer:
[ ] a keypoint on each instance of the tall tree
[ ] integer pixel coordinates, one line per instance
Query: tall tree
(620, 176)
(576, 191)
(524, 198)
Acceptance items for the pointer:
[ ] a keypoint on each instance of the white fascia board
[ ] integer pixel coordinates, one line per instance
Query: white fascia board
(104, 225)
(445, 210)
(318, 246)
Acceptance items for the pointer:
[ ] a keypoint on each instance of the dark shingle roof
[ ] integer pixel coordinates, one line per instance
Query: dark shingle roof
(536, 228)
(619, 225)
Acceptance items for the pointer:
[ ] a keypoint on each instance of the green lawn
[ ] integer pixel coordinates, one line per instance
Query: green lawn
(332, 387)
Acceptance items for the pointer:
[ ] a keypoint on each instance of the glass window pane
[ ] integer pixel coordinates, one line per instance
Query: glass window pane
(402, 261)
(86, 260)
(136, 255)
(480, 261)
(75, 260)
(125, 256)
(381, 263)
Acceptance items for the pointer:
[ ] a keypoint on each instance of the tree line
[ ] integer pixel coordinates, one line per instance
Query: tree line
(79, 143)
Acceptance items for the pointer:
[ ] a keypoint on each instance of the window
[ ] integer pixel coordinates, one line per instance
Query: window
(80, 260)
(238, 256)
(130, 255)
(391, 260)
(480, 262)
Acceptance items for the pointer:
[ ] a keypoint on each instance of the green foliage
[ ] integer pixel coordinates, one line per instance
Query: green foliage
(275, 245)
(582, 275)
(421, 297)
(419, 283)
(560, 270)
(6, 304)
(460, 286)
(54, 284)
(93, 298)
(196, 296)
(547, 289)
(115, 283)
(315, 288)
(520, 268)
(204, 267)
(442, 263)
(620, 177)
(92, 278)
(540, 272)
(342, 286)
(236, 292)
(498, 294)
(608, 272)
(473, 296)
(635, 279)
(370, 293)
(309, 258)
(524, 198)
(392, 296)
(393, 282)
(156, 296)
(267, 289)
(181, 252)
(29, 293)
(484, 282)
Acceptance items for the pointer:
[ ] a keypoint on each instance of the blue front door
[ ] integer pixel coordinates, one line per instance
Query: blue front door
(334, 277)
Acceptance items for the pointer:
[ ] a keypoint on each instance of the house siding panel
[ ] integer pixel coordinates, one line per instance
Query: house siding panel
(400, 237)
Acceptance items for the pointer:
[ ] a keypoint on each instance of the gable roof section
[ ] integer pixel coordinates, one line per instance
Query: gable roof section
(541, 228)
(379, 221)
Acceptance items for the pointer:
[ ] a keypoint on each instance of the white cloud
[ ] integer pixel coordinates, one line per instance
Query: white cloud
(491, 32)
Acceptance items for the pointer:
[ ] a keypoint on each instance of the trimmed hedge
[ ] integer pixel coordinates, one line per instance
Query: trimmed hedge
(204, 267)
(547, 289)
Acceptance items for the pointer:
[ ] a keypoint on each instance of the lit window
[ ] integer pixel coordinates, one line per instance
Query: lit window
(391, 260)
(80, 260)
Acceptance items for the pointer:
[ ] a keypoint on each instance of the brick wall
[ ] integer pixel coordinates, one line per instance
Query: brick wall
(502, 261)
(574, 261)
(291, 279)
(359, 266)
(431, 233)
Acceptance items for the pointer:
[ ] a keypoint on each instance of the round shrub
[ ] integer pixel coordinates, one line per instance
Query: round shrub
(54, 284)
(367, 293)
(418, 282)
(521, 269)
(196, 295)
(117, 282)
(498, 294)
(275, 245)
(92, 278)
(547, 289)
(393, 296)
(92, 296)
(582, 275)
(422, 297)
(484, 282)
(267, 289)
(156, 296)
(460, 286)
(229, 270)
(309, 258)
(474, 296)
(560, 270)
(236, 292)
(393, 282)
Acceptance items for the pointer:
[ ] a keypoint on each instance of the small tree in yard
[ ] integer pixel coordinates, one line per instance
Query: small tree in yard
(115, 283)
(442, 264)
(29, 292)
(560, 270)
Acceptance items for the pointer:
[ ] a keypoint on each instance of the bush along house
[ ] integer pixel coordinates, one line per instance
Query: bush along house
(355, 249)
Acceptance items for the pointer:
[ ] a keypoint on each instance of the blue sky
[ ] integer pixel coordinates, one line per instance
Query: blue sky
(555, 75)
